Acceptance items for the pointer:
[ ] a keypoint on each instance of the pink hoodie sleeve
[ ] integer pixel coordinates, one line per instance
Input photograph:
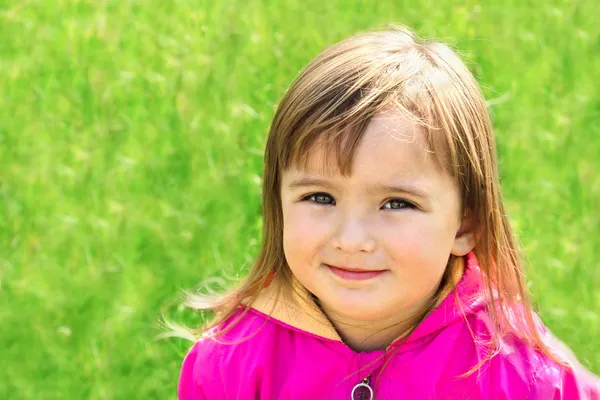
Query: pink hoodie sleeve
(200, 378)
(521, 372)
(562, 383)
(558, 382)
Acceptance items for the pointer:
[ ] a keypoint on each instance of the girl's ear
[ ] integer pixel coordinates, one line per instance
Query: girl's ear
(465, 239)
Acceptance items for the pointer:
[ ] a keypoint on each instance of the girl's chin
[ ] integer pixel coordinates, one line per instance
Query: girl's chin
(357, 311)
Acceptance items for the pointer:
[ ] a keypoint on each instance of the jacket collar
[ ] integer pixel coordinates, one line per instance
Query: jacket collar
(460, 297)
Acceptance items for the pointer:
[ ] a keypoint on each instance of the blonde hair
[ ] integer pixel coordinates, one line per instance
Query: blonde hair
(333, 100)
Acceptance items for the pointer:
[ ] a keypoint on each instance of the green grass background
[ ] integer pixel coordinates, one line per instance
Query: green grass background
(131, 135)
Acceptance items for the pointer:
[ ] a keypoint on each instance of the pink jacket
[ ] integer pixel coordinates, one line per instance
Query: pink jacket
(296, 354)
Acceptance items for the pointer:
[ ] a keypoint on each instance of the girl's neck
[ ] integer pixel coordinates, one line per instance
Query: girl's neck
(363, 336)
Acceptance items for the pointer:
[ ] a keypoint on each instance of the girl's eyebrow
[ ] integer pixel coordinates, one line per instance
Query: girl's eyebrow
(376, 189)
(404, 189)
(308, 182)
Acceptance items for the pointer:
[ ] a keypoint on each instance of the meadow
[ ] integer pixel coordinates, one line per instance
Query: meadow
(131, 140)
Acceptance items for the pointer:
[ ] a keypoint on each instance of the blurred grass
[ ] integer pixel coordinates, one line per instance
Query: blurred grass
(130, 152)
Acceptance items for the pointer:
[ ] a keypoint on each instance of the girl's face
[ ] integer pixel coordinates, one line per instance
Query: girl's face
(374, 245)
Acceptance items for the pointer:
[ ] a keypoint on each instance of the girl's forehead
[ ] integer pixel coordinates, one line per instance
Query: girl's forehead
(390, 144)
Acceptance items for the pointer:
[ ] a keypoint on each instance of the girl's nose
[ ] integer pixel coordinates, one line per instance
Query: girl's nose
(352, 236)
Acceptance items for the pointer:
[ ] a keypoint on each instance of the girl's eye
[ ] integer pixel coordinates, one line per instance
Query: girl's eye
(320, 198)
(398, 204)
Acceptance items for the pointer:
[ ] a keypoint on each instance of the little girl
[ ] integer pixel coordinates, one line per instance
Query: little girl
(388, 269)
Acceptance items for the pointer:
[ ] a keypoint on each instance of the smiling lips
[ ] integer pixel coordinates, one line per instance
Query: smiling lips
(354, 274)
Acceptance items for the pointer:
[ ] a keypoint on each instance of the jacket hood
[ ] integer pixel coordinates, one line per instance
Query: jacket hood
(296, 308)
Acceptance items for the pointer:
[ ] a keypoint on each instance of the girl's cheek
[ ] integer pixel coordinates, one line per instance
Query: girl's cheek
(408, 235)
(398, 239)
(305, 228)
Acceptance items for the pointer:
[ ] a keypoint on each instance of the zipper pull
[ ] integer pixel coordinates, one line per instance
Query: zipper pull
(364, 391)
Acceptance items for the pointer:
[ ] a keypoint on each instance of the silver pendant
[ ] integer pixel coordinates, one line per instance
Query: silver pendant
(362, 388)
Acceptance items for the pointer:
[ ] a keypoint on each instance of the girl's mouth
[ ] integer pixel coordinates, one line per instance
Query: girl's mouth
(354, 274)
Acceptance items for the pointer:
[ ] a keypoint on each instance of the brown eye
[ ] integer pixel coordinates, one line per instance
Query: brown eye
(398, 204)
(320, 198)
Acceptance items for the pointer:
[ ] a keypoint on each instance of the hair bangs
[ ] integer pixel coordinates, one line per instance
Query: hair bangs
(330, 142)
